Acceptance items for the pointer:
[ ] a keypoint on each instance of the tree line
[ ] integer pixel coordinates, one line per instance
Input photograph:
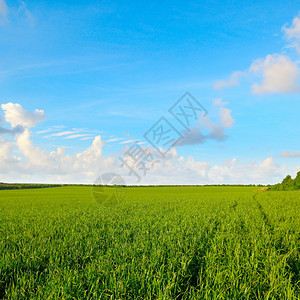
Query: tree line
(287, 184)
(19, 186)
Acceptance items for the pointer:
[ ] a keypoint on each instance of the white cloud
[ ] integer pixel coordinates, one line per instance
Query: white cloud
(51, 129)
(216, 129)
(80, 167)
(231, 171)
(127, 142)
(3, 8)
(8, 161)
(62, 133)
(232, 81)
(41, 166)
(219, 102)
(36, 155)
(226, 118)
(180, 170)
(15, 115)
(280, 75)
(45, 131)
(114, 140)
(75, 136)
(290, 154)
(23, 161)
(292, 33)
(75, 133)
(225, 113)
(87, 138)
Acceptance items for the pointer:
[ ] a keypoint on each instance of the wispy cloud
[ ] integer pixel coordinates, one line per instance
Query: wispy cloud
(55, 68)
(24, 10)
(114, 140)
(75, 136)
(290, 154)
(87, 138)
(62, 133)
(53, 128)
(80, 133)
(45, 131)
(3, 9)
(292, 33)
(127, 142)
(232, 81)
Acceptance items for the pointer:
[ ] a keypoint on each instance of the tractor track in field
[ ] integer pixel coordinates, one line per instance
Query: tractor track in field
(292, 264)
(264, 215)
(198, 263)
(235, 204)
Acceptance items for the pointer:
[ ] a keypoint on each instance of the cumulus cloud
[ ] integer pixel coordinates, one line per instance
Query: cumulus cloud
(58, 161)
(36, 155)
(280, 75)
(16, 115)
(36, 164)
(233, 171)
(292, 33)
(290, 154)
(208, 129)
(225, 113)
(9, 163)
(23, 161)
(57, 165)
(176, 169)
(35, 160)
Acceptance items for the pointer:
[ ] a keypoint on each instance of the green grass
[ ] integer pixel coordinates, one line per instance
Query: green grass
(158, 243)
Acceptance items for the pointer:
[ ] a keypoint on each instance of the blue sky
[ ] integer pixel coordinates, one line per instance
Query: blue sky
(112, 69)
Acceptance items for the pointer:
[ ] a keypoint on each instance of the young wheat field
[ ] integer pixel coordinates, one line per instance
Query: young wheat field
(157, 243)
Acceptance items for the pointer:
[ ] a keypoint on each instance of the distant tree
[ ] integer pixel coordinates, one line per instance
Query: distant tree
(297, 182)
(288, 184)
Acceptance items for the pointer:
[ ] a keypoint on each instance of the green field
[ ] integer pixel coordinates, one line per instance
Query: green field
(158, 243)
